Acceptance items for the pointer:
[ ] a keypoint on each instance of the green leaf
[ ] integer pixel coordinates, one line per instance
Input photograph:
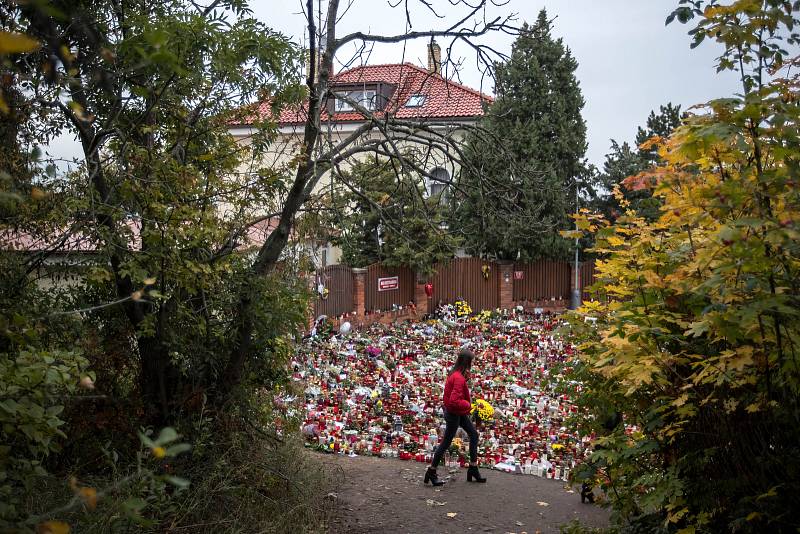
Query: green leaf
(175, 450)
(167, 435)
(176, 481)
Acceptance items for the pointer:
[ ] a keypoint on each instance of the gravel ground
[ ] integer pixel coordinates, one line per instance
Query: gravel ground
(388, 496)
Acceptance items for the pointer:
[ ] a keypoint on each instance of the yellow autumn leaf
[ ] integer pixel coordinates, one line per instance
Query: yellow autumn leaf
(159, 452)
(753, 515)
(654, 279)
(615, 241)
(53, 527)
(89, 496)
(37, 193)
(741, 358)
(680, 401)
(16, 43)
(753, 408)
(66, 53)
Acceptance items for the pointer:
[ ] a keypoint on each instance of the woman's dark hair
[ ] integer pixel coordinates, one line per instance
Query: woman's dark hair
(463, 362)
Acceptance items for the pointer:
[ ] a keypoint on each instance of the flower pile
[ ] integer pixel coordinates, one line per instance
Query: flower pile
(379, 392)
(482, 317)
(463, 309)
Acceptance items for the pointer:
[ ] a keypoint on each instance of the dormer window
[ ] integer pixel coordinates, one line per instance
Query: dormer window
(438, 182)
(415, 101)
(364, 98)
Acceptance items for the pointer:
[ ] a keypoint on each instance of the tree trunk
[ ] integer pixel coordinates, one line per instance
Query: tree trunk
(273, 247)
(159, 380)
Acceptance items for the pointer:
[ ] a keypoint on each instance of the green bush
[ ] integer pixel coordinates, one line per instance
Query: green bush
(33, 387)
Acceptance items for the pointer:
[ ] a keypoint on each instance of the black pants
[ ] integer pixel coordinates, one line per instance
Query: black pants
(453, 422)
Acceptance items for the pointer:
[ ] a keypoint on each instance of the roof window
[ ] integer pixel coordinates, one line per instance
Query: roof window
(415, 101)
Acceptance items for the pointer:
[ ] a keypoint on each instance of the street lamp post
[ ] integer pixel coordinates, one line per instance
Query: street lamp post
(575, 301)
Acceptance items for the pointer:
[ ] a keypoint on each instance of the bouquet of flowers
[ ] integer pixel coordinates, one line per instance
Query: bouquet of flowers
(483, 409)
(482, 317)
(463, 309)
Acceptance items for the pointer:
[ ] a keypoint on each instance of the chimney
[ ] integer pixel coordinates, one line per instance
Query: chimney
(434, 58)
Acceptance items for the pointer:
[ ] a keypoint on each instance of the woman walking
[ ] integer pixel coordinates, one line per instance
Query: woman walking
(457, 406)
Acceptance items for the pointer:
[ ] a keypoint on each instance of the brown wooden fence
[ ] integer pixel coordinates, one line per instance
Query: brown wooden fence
(541, 283)
(464, 278)
(338, 280)
(375, 300)
(542, 280)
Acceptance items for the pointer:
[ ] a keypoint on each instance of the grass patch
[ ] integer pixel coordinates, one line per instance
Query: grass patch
(249, 484)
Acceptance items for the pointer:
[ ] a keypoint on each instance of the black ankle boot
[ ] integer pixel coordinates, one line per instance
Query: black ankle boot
(432, 477)
(473, 473)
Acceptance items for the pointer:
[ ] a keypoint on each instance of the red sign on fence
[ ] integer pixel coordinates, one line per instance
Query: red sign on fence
(519, 275)
(388, 284)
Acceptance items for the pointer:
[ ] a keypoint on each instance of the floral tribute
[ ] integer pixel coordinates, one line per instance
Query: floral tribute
(483, 409)
(379, 392)
(463, 309)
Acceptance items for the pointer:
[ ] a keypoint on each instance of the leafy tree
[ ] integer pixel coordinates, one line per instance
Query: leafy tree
(696, 345)
(147, 89)
(381, 218)
(165, 197)
(515, 191)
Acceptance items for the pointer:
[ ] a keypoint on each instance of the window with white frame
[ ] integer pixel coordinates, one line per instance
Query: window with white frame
(364, 98)
(415, 101)
(437, 181)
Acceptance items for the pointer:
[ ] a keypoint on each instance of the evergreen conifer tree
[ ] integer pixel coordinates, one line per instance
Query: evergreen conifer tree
(623, 161)
(519, 182)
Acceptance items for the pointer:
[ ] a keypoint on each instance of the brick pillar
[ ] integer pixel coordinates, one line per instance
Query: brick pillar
(311, 281)
(506, 289)
(359, 288)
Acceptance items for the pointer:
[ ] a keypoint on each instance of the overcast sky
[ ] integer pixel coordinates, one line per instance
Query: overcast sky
(630, 63)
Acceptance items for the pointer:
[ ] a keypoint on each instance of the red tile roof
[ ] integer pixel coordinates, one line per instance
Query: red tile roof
(66, 241)
(444, 99)
(62, 241)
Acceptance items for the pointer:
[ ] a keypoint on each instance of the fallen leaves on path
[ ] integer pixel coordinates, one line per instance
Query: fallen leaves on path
(431, 502)
(542, 503)
(451, 515)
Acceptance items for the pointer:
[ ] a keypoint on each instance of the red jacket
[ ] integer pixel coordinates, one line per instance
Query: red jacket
(456, 395)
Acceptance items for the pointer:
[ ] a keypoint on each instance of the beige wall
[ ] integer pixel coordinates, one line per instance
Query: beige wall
(287, 146)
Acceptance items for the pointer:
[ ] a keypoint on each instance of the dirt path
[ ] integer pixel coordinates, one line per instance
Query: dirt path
(387, 496)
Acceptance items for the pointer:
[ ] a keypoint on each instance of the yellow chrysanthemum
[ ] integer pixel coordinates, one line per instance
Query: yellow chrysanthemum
(484, 409)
